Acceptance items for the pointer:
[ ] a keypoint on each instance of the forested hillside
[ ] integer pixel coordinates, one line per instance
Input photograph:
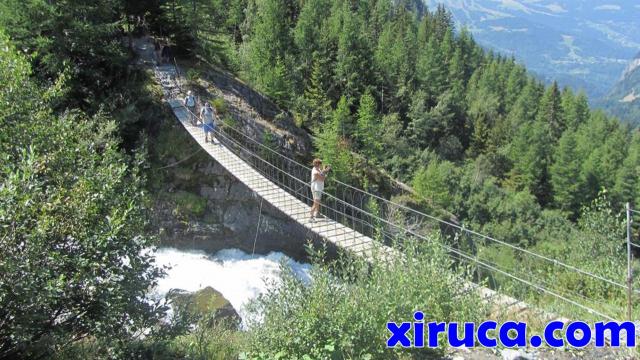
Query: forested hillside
(399, 85)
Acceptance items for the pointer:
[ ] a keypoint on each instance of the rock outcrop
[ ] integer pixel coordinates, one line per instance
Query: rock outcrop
(204, 303)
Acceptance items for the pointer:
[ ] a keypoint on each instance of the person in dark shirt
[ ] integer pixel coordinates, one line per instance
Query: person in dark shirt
(166, 54)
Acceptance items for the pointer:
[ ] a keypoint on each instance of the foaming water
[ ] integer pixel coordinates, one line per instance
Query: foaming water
(239, 276)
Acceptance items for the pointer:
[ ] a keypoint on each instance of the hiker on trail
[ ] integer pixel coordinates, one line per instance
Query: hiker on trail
(190, 103)
(207, 116)
(318, 175)
(156, 51)
(166, 54)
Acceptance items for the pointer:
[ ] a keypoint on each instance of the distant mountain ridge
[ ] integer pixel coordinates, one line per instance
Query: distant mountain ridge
(582, 44)
(623, 100)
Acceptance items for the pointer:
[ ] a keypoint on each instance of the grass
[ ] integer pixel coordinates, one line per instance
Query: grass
(188, 203)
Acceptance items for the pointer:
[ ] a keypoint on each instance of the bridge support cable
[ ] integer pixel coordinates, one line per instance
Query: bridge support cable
(492, 267)
(255, 239)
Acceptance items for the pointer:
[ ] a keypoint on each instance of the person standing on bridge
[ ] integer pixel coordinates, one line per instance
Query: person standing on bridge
(190, 103)
(208, 117)
(318, 175)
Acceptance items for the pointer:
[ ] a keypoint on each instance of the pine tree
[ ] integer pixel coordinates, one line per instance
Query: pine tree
(565, 174)
(529, 154)
(332, 142)
(581, 108)
(352, 55)
(550, 111)
(483, 112)
(306, 34)
(268, 46)
(442, 22)
(368, 130)
(516, 82)
(568, 102)
(315, 97)
(627, 186)
(432, 71)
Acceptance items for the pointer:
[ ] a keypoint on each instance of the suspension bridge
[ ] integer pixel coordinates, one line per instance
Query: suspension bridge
(364, 223)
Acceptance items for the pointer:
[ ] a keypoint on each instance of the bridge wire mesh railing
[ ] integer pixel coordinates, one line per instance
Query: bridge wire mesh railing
(378, 218)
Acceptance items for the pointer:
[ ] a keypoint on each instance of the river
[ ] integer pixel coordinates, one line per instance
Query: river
(239, 276)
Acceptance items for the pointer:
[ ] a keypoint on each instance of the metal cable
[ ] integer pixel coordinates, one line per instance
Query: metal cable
(255, 239)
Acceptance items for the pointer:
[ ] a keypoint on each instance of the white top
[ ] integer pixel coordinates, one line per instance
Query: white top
(207, 113)
(316, 185)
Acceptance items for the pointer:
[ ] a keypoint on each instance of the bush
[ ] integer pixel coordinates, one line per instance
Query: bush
(209, 340)
(220, 105)
(343, 313)
(193, 75)
(189, 204)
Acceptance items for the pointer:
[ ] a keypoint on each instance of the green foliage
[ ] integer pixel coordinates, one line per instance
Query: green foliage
(437, 182)
(333, 147)
(314, 106)
(193, 74)
(72, 226)
(368, 128)
(434, 90)
(342, 313)
(220, 105)
(79, 38)
(565, 172)
(595, 246)
(209, 340)
(189, 204)
(265, 52)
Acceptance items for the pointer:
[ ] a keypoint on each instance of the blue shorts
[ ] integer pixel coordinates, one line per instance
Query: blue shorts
(208, 128)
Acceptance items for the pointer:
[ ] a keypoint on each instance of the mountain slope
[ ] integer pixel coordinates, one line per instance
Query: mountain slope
(584, 44)
(624, 99)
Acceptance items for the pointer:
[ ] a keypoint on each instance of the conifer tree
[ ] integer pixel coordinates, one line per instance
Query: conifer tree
(627, 187)
(431, 70)
(315, 98)
(550, 111)
(333, 144)
(352, 55)
(368, 130)
(306, 34)
(529, 153)
(268, 46)
(565, 174)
